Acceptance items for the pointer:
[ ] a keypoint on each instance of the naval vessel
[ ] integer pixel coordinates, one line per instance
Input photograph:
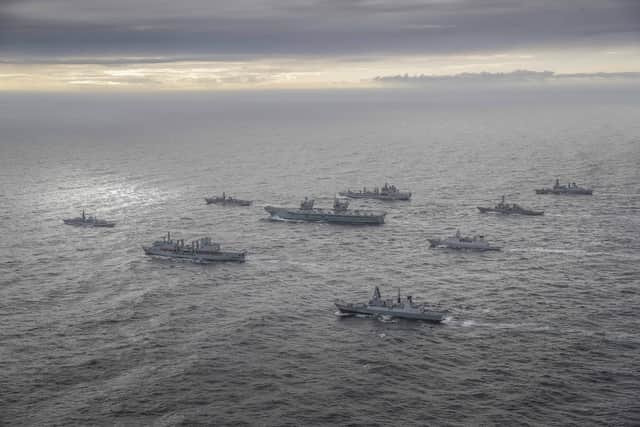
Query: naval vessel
(571, 189)
(227, 200)
(477, 243)
(387, 192)
(88, 221)
(340, 214)
(201, 250)
(405, 309)
(510, 208)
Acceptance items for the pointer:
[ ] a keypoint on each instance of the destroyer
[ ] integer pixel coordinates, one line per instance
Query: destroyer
(201, 250)
(571, 188)
(88, 221)
(224, 200)
(509, 208)
(460, 242)
(406, 309)
(387, 192)
(340, 214)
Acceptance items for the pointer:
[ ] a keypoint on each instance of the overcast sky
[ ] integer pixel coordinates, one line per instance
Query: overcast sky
(328, 40)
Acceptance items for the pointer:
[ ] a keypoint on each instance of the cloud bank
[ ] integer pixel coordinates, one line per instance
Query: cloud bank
(513, 76)
(258, 28)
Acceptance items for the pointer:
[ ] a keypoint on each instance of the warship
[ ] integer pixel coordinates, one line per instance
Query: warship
(340, 214)
(201, 250)
(88, 221)
(509, 208)
(570, 188)
(387, 192)
(406, 309)
(460, 242)
(224, 200)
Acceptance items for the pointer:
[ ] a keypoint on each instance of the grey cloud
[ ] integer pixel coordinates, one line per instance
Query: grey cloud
(250, 28)
(118, 60)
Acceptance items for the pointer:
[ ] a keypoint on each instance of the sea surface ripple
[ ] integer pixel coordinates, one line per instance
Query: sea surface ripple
(543, 332)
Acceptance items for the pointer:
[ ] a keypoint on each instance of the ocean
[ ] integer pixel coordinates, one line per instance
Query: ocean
(544, 332)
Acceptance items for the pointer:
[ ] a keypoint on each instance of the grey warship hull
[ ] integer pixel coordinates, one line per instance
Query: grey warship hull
(227, 202)
(462, 245)
(566, 191)
(352, 217)
(429, 316)
(100, 223)
(197, 257)
(511, 211)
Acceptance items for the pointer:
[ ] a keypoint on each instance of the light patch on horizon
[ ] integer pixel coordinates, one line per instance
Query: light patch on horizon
(341, 72)
(173, 76)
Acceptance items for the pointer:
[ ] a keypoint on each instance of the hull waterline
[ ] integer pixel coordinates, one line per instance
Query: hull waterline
(349, 309)
(200, 258)
(510, 212)
(565, 193)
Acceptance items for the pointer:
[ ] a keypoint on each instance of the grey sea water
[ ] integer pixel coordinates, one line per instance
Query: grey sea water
(544, 332)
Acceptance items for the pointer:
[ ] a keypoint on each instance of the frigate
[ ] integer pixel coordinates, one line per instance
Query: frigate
(458, 241)
(405, 309)
(201, 250)
(227, 200)
(88, 221)
(387, 192)
(340, 214)
(509, 208)
(571, 189)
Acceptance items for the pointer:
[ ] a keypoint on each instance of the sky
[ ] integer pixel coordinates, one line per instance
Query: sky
(71, 45)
